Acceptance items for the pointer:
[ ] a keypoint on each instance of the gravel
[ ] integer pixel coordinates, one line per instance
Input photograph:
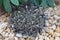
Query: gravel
(50, 32)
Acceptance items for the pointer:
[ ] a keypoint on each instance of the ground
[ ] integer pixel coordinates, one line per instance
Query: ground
(51, 32)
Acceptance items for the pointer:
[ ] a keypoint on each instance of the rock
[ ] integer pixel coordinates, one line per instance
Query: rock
(21, 39)
(51, 38)
(2, 26)
(6, 39)
(56, 17)
(58, 24)
(50, 31)
(46, 38)
(47, 23)
(57, 29)
(19, 35)
(56, 34)
(57, 12)
(11, 35)
(41, 37)
(1, 30)
(57, 38)
(33, 38)
(36, 38)
(53, 27)
(27, 39)
(6, 35)
(1, 37)
(46, 29)
(16, 38)
(8, 30)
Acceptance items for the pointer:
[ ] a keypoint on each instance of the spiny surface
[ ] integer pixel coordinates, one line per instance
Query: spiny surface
(27, 20)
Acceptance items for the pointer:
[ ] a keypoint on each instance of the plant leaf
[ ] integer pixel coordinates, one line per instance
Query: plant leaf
(7, 5)
(15, 2)
(36, 2)
(23, 1)
(50, 3)
(44, 3)
(1, 1)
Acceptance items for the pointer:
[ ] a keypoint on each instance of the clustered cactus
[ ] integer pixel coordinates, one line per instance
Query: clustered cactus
(27, 21)
(28, 18)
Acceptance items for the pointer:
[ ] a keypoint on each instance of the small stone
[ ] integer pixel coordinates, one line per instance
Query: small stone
(58, 24)
(56, 34)
(6, 39)
(16, 38)
(46, 29)
(19, 35)
(53, 27)
(2, 25)
(56, 17)
(6, 34)
(8, 30)
(1, 39)
(1, 30)
(41, 37)
(27, 39)
(32, 38)
(21, 39)
(50, 31)
(57, 12)
(36, 38)
(46, 38)
(57, 29)
(12, 34)
(47, 23)
(51, 38)
(19, 12)
(57, 38)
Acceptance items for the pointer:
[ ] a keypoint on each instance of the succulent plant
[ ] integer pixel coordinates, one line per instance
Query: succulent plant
(6, 4)
(27, 20)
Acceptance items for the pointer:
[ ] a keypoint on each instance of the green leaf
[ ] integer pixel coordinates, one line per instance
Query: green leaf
(1, 1)
(7, 5)
(44, 3)
(50, 3)
(36, 2)
(15, 2)
(23, 1)
(31, 1)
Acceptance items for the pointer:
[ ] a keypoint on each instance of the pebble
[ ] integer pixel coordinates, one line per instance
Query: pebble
(2, 25)
(57, 12)
(47, 23)
(21, 39)
(46, 38)
(58, 30)
(19, 35)
(33, 38)
(16, 38)
(56, 34)
(53, 27)
(57, 38)
(36, 38)
(46, 29)
(51, 38)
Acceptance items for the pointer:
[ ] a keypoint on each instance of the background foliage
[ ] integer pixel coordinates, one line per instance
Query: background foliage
(6, 4)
